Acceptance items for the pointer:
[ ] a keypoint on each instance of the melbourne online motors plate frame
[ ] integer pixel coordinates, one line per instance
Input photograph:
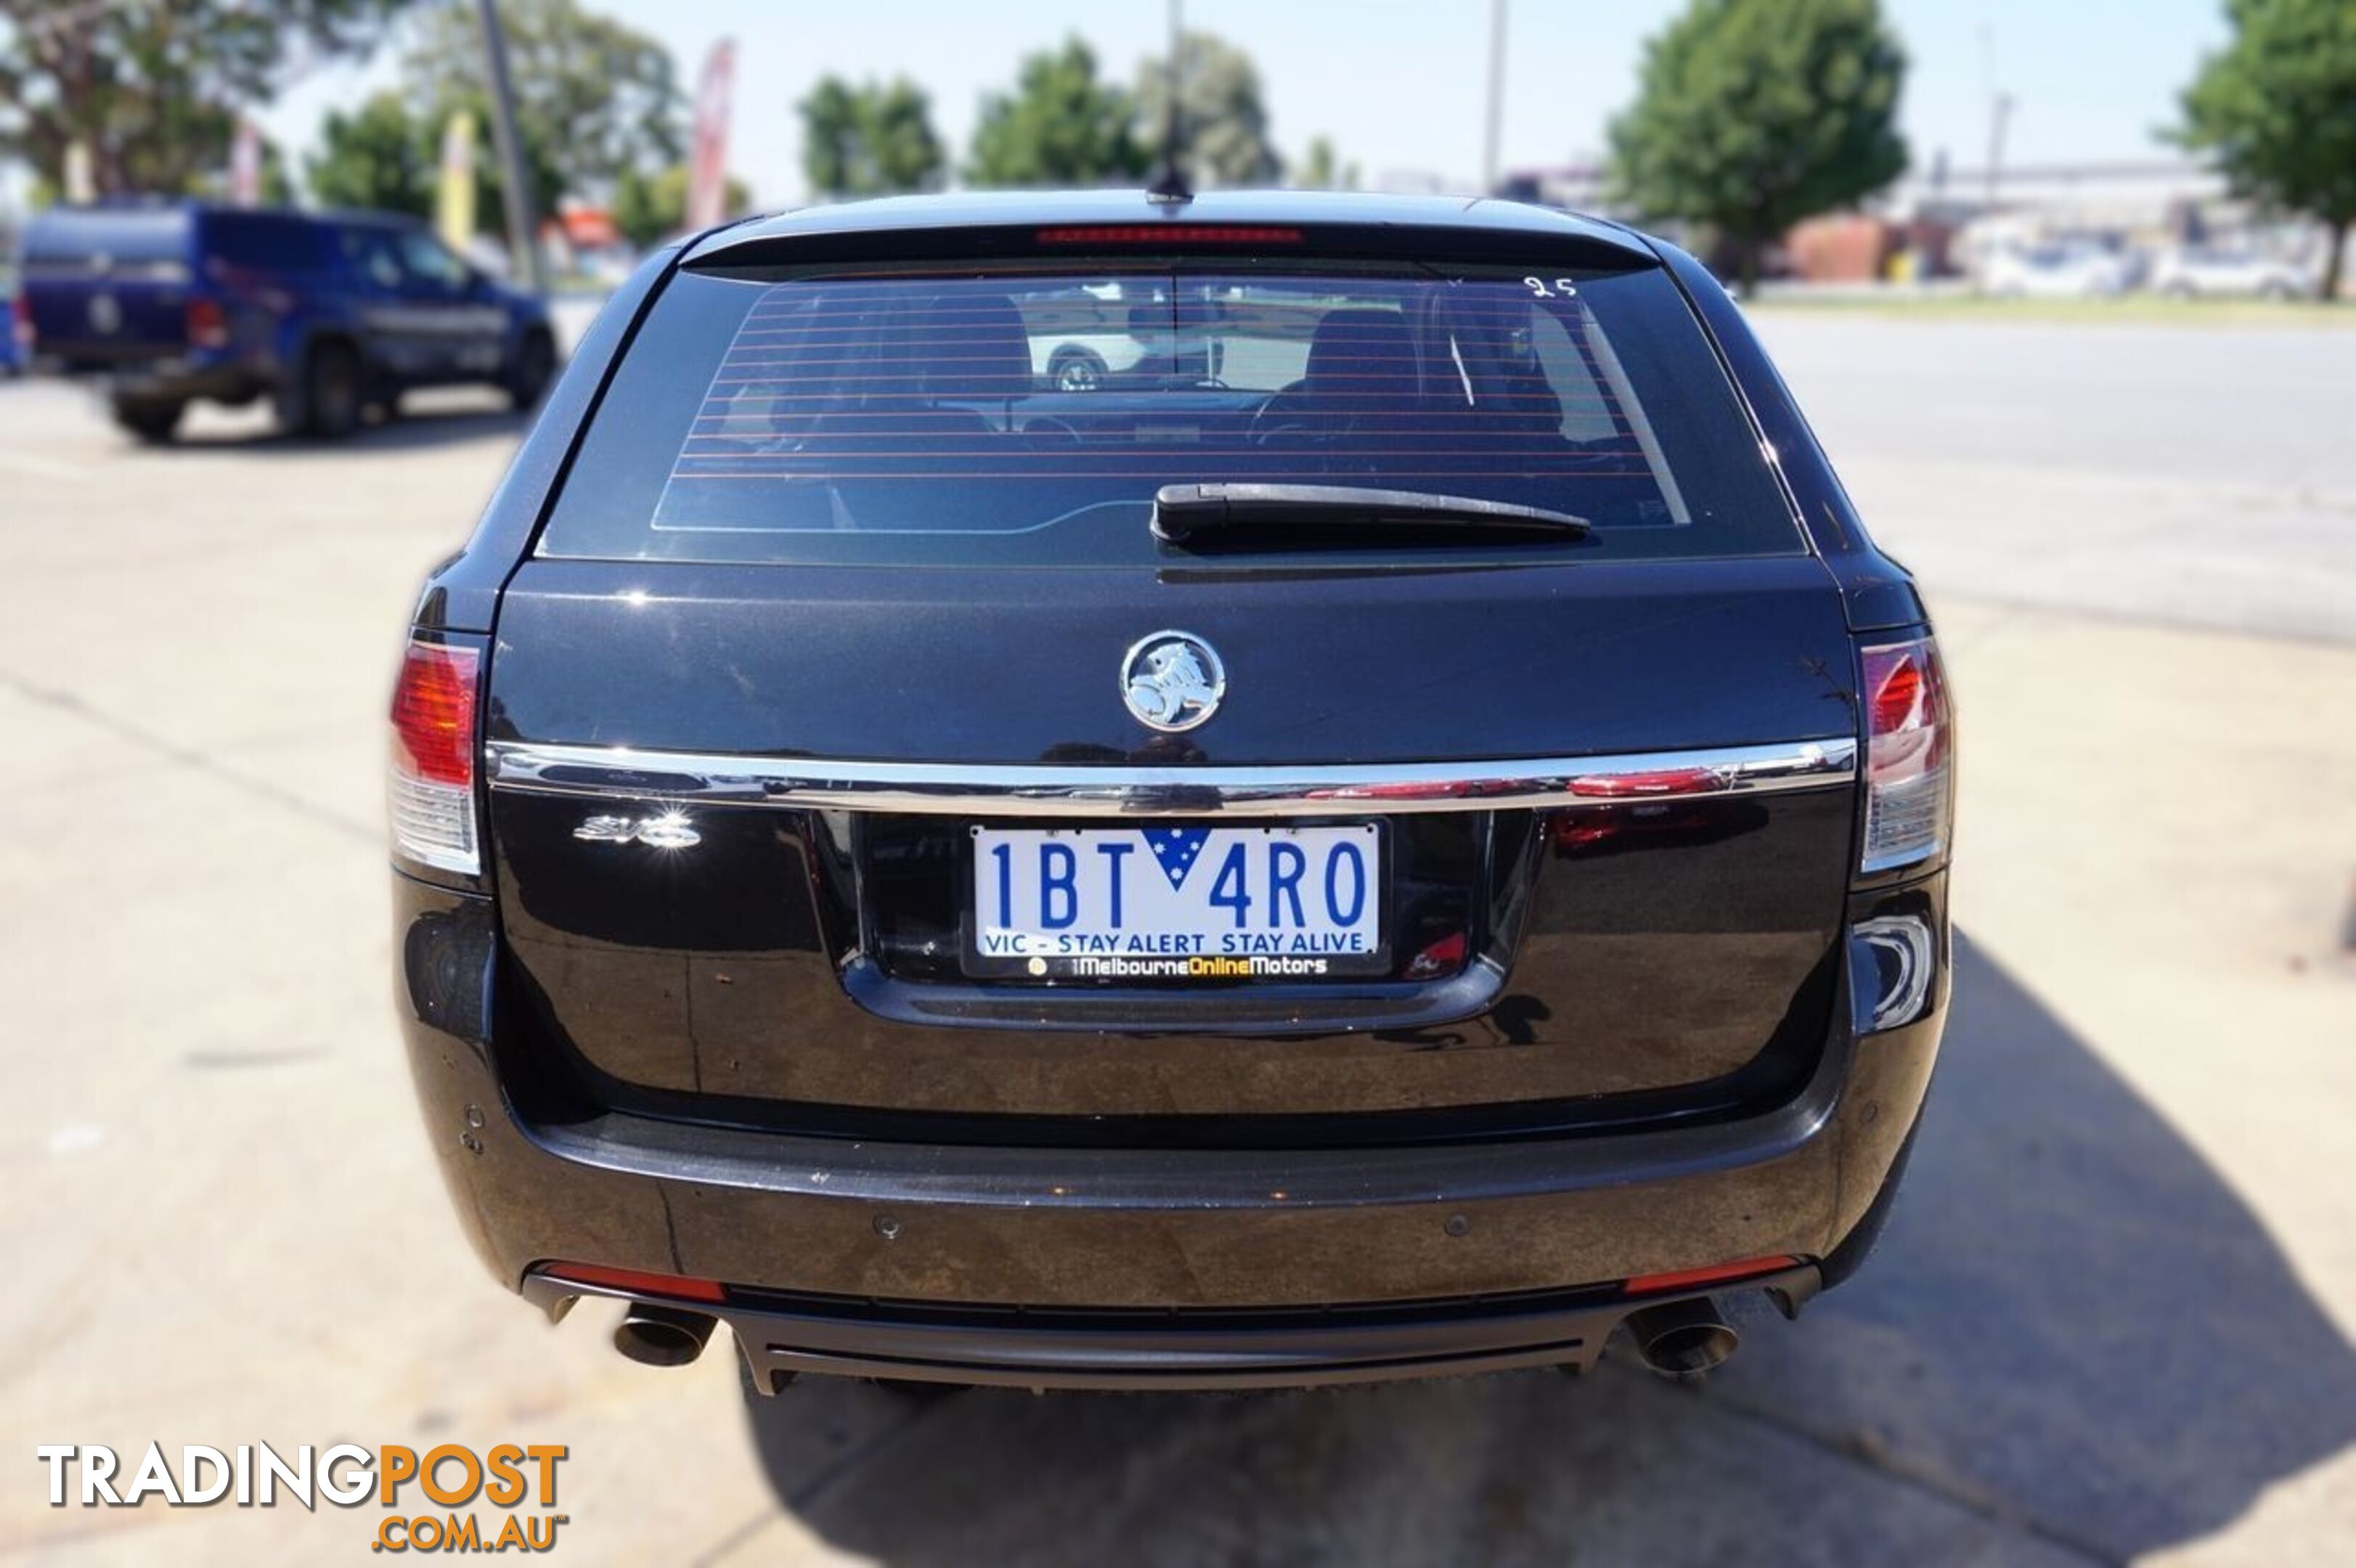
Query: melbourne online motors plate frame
(1273, 902)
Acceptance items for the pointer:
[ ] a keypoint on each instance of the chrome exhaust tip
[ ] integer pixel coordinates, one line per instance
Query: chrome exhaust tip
(1680, 1339)
(662, 1336)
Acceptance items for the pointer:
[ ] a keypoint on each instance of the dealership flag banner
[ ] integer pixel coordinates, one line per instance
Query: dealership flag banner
(707, 178)
(245, 166)
(454, 215)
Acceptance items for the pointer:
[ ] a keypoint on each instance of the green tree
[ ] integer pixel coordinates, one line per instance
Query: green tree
(1061, 125)
(1321, 168)
(384, 156)
(868, 139)
(153, 87)
(594, 98)
(1222, 120)
(1751, 116)
(2277, 107)
(648, 207)
(378, 155)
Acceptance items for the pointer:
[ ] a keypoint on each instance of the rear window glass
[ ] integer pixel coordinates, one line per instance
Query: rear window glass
(1030, 417)
(156, 241)
(263, 243)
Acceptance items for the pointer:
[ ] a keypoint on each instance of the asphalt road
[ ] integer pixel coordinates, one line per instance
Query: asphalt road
(2112, 1322)
(2194, 474)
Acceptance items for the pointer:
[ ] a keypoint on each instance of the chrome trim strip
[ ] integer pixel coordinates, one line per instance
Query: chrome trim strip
(967, 789)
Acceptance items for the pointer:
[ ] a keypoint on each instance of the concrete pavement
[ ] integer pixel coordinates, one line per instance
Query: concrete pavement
(2198, 476)
(2112, 1322)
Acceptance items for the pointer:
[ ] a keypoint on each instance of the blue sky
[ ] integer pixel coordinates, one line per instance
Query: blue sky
(1398, 84)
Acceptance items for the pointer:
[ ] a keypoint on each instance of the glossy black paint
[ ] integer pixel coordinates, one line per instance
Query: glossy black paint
(1401, 665)
(1181, 1230)
(1637, 961)
(731, 1062)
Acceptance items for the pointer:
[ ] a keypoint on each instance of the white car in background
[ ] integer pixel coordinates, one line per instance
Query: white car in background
(2066, 269)
(2191, 271)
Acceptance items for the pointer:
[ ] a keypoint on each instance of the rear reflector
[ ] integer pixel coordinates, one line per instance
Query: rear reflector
(635, 1282)
(430, 790)
(1166, 234)
(1720, 1273)
(1908, 741)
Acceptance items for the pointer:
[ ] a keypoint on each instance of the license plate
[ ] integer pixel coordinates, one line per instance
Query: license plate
(1160, 903)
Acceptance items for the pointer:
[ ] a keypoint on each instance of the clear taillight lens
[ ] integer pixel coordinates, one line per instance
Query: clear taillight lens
(431, 792)
(1909, 754)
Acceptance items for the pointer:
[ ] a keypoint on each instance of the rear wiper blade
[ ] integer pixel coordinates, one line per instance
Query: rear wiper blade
(1182, 510)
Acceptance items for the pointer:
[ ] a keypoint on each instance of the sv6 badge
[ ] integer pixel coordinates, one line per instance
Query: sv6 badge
(671, 830)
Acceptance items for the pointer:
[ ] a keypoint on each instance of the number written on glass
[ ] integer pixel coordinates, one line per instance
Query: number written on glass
(1564, 288)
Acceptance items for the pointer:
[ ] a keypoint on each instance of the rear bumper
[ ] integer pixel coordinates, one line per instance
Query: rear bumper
(175, 380)
(1136, 1267)
(782, 1338)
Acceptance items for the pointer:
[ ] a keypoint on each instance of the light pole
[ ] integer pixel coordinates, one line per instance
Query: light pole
(515, 184)
(1496, 96)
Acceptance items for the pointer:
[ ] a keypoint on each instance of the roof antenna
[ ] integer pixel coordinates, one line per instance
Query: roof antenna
(1169, 187)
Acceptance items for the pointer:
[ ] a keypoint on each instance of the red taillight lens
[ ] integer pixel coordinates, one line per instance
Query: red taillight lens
(207, 324)
(432, 794)
(434, 713)
(1909, 737)
(20, 322)
(1166, 234)
(1895, 698)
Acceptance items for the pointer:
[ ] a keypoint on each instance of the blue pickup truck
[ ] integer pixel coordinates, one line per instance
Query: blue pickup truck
(326, 315)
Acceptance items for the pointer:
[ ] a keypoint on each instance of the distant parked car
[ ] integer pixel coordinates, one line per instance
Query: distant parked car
(13, 340)
(2064, 271)
(160, 305)
(1151, 349)
(2190, 271)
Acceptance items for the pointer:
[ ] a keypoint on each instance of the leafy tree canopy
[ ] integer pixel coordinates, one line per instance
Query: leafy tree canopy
(869, 140)
(378, 155)
(1751, 116)
(153, 88)
(1222, 118)
(1061, 125)
(386, 155)
(593, 97)
(2277, 109)
(649, 207)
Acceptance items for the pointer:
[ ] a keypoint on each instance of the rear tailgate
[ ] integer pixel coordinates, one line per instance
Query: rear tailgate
(740, 778)
(103, 287)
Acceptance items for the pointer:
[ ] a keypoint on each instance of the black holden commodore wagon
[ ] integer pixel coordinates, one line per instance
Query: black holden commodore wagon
(1401, 830)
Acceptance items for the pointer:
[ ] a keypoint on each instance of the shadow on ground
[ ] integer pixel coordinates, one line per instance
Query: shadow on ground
(2076, 1343)
(437, 420)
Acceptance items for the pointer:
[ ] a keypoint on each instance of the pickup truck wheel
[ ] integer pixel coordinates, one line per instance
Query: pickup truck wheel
(1076, 369)
(331, 394)
(151, 422)
(528, 377)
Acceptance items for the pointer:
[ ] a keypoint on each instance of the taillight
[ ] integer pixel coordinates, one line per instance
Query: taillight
(207, 324)
(431, 793)
(1909, 748)
(1167, 234)
(20, 323)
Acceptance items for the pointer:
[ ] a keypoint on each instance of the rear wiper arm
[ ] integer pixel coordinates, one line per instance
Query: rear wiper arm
(1181, 510)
